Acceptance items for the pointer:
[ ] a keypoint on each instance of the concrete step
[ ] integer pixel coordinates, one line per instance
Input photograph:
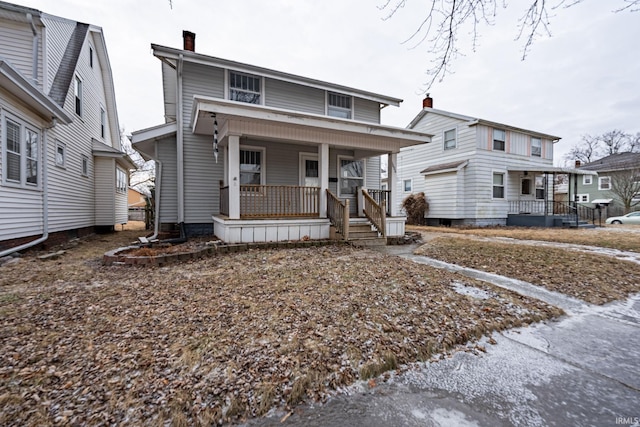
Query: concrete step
(369, 241)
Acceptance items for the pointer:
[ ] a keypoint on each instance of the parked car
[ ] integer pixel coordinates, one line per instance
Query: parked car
(630, 218)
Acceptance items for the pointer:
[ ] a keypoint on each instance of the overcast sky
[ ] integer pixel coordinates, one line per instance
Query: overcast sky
(585, 79)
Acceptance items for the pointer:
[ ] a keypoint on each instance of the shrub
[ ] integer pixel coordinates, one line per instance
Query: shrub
(416, 206)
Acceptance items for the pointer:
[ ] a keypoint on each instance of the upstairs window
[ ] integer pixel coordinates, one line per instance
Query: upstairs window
(90, 57)
(499, 138)
(536, 147)
(587, 179)
(103, 122)
(77, 92)
(20, 153)
(604, 183)
(338, 105)
(244, 88)
(450, 139)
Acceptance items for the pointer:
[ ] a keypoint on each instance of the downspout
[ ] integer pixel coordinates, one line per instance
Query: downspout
(35, 49)
(156, 221)
(180, 142)
(45, 200)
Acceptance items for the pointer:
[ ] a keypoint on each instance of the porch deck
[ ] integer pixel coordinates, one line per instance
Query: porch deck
(546, 213)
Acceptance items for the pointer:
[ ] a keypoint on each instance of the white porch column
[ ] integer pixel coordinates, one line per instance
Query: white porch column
(323, 177)
(392, 180)
(233, 178)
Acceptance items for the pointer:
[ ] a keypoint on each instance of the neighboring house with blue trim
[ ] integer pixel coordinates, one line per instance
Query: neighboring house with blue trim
(62, 170)
(621, 169)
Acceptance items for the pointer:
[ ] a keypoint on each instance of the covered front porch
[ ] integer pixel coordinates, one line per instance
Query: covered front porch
(532, 203)
(295, 176)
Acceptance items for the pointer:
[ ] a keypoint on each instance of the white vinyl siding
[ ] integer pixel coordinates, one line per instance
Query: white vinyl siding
(105, 184)
(445, 195)
(16, 45)
(166, 152)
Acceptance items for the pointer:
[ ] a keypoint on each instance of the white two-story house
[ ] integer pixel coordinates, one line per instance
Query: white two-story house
(62, 171)
(478, 172)
(250, 154)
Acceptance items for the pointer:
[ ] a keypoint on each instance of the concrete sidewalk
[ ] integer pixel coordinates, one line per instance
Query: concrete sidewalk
(580, 370)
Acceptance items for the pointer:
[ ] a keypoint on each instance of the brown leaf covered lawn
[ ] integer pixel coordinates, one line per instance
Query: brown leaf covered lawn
(224, 338)
(596, 279)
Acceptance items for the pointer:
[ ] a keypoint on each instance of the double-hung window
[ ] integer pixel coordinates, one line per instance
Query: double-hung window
(121, 180)
(338, 105)
(450, 139)
(244, 88)
(20, 152)
(587, 179)
(499, 138)
(604, 183)
(407, 185)
(498, 185)
(540, 181)
(536, 147)
(103, 123)
(252, 166)
(61, 154)
(351, 176)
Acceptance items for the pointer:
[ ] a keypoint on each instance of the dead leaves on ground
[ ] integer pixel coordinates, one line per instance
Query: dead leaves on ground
(225, 338)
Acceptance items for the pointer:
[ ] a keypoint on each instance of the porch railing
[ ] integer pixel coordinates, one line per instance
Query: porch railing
(338, 213)
(381, 195)
(377, 213)
(572, 211)
(274, 201)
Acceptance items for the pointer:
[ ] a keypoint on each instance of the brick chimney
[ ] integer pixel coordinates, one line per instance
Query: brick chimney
(189, 40)
(427, 102)
(578, 163)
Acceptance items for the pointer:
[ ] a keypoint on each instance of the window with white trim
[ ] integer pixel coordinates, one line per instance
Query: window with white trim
(499, 138)
(338, 105)
(20, 152)
(90, 57)
(450, 140)
(540, 192)
(587, 179)
(582, 198)
(604, 183)
(498, 185)
(121, 180)
(350, 176)
(85, 166)
(103, 123)
(536, 147)
(244, 88)
(407, 185)
(77, 93)
(252, 166)
(61, 154)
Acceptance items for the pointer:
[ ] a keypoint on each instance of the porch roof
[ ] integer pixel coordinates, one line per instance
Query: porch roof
(550, 169)
(237, 118)
(445, 167)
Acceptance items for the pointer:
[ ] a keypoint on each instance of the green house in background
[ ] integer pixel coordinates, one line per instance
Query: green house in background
(618, 175)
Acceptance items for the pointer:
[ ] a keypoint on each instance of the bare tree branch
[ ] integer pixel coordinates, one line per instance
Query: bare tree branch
(444, 19)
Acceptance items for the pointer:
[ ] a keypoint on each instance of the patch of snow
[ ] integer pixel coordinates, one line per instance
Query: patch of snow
(451, 417)
(471, 291)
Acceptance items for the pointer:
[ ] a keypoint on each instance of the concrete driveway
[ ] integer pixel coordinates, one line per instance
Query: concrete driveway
(580, 370)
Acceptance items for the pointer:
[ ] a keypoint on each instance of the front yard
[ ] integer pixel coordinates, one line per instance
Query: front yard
(230, 337)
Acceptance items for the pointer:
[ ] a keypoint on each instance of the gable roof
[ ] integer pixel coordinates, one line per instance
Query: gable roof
(62, 81)
(473, 121)
(615, 162)
(164, 53)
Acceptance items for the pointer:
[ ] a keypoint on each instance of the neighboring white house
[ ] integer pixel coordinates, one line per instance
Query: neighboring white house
(282, 141)
(62, 171)
(478, 172)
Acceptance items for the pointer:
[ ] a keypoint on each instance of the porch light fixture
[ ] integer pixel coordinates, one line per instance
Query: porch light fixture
(215, 137)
